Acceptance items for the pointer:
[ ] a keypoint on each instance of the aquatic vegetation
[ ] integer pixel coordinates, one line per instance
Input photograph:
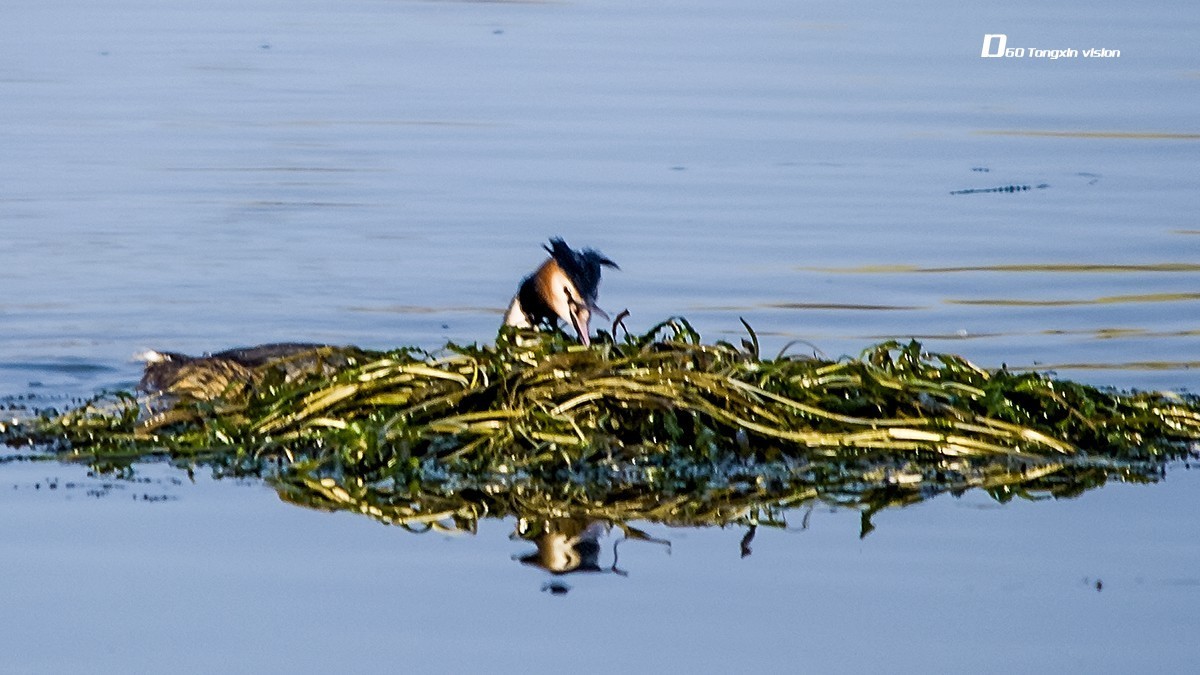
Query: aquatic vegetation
(660, 426)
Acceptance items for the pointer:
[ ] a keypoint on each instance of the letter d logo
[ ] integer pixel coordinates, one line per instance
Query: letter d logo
(1000, 39)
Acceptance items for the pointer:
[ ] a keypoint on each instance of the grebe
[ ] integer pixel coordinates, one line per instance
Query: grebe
(564, 287)
(209, 376)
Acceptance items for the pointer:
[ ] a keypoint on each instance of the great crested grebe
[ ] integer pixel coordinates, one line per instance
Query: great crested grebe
(206, 377)
(564, 287)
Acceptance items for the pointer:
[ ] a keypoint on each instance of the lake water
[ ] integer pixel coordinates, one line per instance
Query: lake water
(191, 176)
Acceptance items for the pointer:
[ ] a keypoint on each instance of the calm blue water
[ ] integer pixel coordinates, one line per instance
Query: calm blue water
(193, 176)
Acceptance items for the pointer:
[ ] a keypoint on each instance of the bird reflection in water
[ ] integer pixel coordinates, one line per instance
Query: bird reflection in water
(573, 546)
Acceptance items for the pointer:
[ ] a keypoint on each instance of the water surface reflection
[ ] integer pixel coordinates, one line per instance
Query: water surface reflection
(577, 529)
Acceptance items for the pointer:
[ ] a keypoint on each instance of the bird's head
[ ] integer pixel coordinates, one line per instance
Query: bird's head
(565, 287)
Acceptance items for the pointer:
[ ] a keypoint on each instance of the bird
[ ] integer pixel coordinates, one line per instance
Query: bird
(212, 376)
(565, 287)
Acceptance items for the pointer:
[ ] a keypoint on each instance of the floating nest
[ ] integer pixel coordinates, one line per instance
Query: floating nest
(659, 427)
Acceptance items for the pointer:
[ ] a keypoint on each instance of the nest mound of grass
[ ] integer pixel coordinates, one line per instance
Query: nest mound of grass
(639, 421)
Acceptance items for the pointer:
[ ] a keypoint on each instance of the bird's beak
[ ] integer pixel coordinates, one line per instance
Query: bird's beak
(581, 317)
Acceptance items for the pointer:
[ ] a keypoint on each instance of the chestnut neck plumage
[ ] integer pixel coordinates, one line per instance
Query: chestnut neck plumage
(565, 287)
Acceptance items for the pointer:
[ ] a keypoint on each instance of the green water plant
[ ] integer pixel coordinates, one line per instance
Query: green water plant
(660, 425)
